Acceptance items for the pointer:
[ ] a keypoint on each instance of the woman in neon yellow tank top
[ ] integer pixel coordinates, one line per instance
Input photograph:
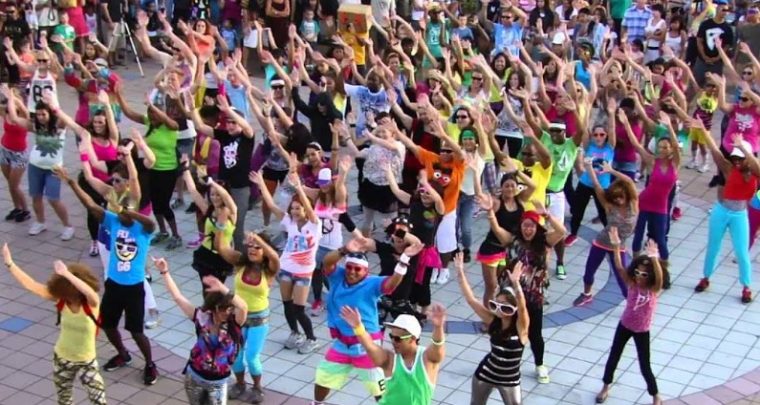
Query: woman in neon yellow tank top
(411, 370)
(256, 266)
(75, 290)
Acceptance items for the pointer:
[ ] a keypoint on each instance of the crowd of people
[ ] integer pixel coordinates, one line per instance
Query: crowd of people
(518, 111)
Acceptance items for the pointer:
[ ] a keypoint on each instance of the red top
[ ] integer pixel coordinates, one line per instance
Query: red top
(14, 137)
(739, 189)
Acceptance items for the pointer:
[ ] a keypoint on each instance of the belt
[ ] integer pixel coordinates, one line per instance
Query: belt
(258, 321)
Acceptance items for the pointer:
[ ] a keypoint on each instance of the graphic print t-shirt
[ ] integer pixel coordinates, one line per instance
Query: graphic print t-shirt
(300, 253)
(368, 102)
(129, 250)
(234, 158)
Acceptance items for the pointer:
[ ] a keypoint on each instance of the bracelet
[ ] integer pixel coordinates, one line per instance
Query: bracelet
(438, 343)
(404, 259)
(401, 269)
(163, 273)
(359, 330)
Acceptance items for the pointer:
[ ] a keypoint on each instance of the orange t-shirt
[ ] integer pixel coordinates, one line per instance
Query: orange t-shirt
(438, 171)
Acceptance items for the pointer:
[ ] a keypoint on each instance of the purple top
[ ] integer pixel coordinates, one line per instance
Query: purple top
(654, 197)
(639, 309)
(624, 151)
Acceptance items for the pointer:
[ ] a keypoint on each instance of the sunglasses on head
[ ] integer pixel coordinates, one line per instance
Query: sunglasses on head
(397, 338)
(504, 308)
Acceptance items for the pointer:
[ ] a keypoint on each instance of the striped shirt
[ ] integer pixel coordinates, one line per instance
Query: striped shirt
(635, 22)
(501, 366)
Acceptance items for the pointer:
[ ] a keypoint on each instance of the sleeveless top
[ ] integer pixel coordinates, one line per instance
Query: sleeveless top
(501, 366)
(639, 309)
(408, 387)
(76, 342)
(255, 295)
(36, 86)
(507, 220)
(737, 188)
(14, 137)
(205, 258)
(105, 153)
(654, 197)
(332, 229)
(48, 149)
(673, 43)
(625, 224)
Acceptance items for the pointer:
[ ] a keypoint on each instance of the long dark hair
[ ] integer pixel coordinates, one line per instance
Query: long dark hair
(245, 264)
(91, 128)
(50, 128)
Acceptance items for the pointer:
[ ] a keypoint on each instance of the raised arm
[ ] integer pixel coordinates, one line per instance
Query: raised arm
(128, 111)
(183, 303)
(646, 156)
(94, 209)
(379, 356)
(26, 281)
(477, 306)
(92, 297)
(255, 178)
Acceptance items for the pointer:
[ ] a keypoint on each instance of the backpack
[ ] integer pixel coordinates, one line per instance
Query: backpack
(87, 310)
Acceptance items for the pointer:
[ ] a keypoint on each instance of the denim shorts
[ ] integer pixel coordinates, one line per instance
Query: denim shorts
(16, 160)
(286, 276)
(43, 181)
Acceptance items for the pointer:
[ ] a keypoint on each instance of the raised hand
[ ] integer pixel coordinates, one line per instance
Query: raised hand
(214, 285)
(413, 249)
(60, 268)
(459, 263)
(436, 314)
(351, 316)
(516, 273)
(485, 201)
(255, 178)
(161, 264)
(652, 250)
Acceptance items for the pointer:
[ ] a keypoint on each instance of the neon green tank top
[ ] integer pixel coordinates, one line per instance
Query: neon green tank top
(409, 387)
(256, 296)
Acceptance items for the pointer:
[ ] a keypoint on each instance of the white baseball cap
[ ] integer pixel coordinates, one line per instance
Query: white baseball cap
(559, 39)
(324, 177)
(408, 323)
(738, 152)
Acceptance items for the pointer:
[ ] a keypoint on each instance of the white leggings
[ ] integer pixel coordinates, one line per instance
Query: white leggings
(481, 390)
(150, 299)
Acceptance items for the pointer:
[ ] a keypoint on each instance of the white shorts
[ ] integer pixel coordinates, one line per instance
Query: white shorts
(557, 203)
(446, 236)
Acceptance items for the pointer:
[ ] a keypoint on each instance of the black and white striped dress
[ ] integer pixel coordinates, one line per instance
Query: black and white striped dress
(501, 366)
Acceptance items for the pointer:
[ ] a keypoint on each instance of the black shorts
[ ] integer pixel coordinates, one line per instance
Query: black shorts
(274, 175)
(129, 299)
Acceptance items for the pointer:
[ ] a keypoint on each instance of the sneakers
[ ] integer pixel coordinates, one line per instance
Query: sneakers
(583, 299)
(692, 163)
(704, 283)
(94, 251)
(466, 255)
(443, 277)
(561, 275)
(704, 168)
(677, 214)
(434, 277)
(152, 320)
(150, 374)
(746, 295)
(23, 215)
(236, 391)
(160, 237)
(12, 215)
(294, 341)
(117, 362)
(308, 346)
(542, 374)
(67, 233)
(174, 242)
(570, 240)
(195, 243)
(317, 307)
(257, 395)
(37, 228)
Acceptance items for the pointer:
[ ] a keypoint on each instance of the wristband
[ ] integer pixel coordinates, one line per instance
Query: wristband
(163, 273)
(404, 259)
(438, 343)
(400, 269)
(359, 330)
(83, 157)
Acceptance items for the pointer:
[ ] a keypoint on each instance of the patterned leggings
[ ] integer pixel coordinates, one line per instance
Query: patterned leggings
(64, 373)
(203, 393)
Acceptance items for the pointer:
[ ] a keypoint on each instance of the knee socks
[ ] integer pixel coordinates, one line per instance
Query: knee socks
(303, 320)
(290, 316)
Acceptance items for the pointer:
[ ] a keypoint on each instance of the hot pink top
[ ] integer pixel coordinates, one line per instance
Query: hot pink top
(105, 153)
(654, 197)
(624, 151)
(745, 121)
(639, 309)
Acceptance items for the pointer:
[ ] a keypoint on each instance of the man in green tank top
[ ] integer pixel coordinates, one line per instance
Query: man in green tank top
(411, 370)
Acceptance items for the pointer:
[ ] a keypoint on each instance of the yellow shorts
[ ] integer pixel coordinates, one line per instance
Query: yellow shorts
(698, 136)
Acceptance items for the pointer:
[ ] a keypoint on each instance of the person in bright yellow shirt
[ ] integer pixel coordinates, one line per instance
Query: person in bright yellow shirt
(356, 40)
(74, 288)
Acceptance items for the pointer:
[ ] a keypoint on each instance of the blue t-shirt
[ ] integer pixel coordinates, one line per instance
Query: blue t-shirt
(598, 155)
(505, 38)
(230, 38)
(238, 99)
(368, 102)
(361, 296)
(129, 250)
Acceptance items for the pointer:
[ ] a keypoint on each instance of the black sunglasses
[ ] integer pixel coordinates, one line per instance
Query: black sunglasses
(463, 117)
(446, 151)
(743, 99)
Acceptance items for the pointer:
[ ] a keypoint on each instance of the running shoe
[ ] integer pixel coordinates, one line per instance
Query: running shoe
(570, 240)
(692, 164)
(257, 395)
(466, 255)
(434, 276)
(67, 233)
(583, 299)
(152, 320)
(746, 295)
(308, 346)
(117, 362)
(294, 341)
(317, 307)
(174, 242)
(236, 391)
(94, 251)
(561, 275)
(677, 214)
(12, 215)
(150, 374)
(195, 243)
(443, 277)
(542, 374)
(704, 283)
(37, 228)
(704, 168)
(23, 216)
(158, 238)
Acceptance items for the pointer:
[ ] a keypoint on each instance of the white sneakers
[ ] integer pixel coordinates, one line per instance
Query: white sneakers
(542, 374)
(67, 233)
(439, 276)
(37, 228)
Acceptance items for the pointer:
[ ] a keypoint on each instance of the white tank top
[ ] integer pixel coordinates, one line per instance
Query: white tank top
(673, 43)
(36, 86)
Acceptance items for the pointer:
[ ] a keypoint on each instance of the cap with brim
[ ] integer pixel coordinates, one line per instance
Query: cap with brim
(737, 152)
(557, 125)
(467, 134)
(408, 323)
(559, 39)
(277, 82)
(324, 177)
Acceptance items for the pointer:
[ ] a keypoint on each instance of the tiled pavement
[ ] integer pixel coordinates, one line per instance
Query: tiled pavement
(704, 347)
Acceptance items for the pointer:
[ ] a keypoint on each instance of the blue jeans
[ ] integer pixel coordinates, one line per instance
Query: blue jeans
(43, 182)
(657, 229)
(465, 209)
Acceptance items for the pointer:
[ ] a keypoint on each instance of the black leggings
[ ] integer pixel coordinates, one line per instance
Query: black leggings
(536, 316)
(581, 197)
(296, 315)
(318, 281)
(92, 223)
(641, 339)
(161, 189)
